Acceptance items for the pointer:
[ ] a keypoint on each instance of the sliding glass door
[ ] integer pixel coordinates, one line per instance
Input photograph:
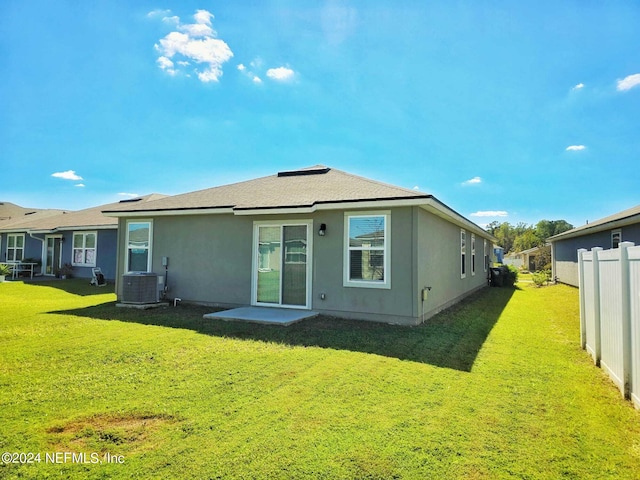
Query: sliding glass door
(282, 265)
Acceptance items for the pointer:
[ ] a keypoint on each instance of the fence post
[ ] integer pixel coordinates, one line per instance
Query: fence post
(582, 295)
(625, 293)
(596, 304)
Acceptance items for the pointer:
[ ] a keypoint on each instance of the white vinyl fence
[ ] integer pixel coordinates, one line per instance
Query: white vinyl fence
(610, 313)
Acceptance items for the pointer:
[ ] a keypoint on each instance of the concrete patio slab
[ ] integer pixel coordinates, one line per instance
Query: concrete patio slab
(266, 315)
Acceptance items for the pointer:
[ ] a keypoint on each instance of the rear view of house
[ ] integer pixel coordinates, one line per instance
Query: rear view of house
(316, 238)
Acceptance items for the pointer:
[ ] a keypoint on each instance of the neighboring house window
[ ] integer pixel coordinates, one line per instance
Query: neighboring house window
(15, 247)
(367, 250)
(473, 254)
(84, 249)
(463, 254)
(139, 236)
(616, 238)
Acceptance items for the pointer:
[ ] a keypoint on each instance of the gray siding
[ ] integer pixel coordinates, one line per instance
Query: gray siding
(210, 262)
(565, 252)
(439, 263)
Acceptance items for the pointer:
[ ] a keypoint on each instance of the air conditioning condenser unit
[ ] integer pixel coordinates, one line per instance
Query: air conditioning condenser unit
(140, 288)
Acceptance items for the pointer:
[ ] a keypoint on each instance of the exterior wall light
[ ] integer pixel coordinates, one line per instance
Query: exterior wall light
(323, 229)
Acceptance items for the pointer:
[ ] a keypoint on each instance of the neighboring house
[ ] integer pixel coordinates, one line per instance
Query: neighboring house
(316, 238)
(524, 259)
(84, 239)
(606, 233)
(10, 212)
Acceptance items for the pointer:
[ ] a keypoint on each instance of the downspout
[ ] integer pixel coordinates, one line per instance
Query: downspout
(42, 252)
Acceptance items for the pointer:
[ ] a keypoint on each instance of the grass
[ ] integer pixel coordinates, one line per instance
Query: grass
(496, 387)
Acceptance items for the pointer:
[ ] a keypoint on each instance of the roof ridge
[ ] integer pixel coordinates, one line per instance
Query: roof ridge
(379, 182)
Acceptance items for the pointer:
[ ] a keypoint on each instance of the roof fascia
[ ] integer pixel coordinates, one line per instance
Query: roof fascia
(588, 230)
(435, 206)
(427, 202)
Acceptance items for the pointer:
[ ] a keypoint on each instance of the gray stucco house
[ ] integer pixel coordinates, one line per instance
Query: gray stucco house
(316, 238)
(84, 239)
(607, 233)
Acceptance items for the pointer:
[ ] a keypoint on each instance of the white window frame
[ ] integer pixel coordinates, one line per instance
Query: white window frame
(617, 232)
(14, 248)
(386, 251)
(463, 253)
(473, 254)
(485, 257)
(84, 249)
(149, 248)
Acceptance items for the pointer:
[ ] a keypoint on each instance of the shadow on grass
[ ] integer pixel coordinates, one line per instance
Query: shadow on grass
(451, 339)
(74, 286)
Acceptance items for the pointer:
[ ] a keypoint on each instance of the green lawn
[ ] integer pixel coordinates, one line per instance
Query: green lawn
(494, 388)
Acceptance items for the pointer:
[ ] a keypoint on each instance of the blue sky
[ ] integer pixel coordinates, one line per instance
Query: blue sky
(507, 111)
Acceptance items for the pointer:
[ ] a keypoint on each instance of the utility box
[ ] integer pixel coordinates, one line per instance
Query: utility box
(140, 288)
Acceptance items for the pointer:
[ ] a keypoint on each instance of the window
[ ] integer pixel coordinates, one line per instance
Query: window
(463, 254)
(84, 249)
(616, 238)
(486, 255)
(139, 236)
(15, 247)
(367, 250)
(473, 254)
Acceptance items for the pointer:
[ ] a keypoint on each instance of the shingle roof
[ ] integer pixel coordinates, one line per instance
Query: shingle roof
(10, 212)
(90, 217)
(297, 188)
(631, 215)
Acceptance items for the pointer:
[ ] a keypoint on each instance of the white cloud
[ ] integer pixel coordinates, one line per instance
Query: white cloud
(80, 185)
(158, 13)
(578, 86)
(203, 17)
(195, 42)
(575, 148)
(68, 175)
(280, 74)
(472, 181)
(241, 67)
(629, 82)
(257, 79)
(131, 195)
(167, 65)
(490, 213)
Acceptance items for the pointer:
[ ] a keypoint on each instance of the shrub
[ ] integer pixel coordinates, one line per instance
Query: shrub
(511, 275)
(541, 277)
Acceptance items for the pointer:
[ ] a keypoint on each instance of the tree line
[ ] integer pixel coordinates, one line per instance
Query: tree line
(523, 237)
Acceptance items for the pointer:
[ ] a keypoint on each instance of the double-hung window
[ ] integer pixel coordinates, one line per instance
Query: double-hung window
(139, 235)
(84, 249)
(15, 247)
(473, 254)
(367, 250)
(486, 255)
(463, 253)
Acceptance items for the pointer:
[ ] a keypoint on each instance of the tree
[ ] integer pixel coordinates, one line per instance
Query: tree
(549, 228)
(523, 236)
(528, 239)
